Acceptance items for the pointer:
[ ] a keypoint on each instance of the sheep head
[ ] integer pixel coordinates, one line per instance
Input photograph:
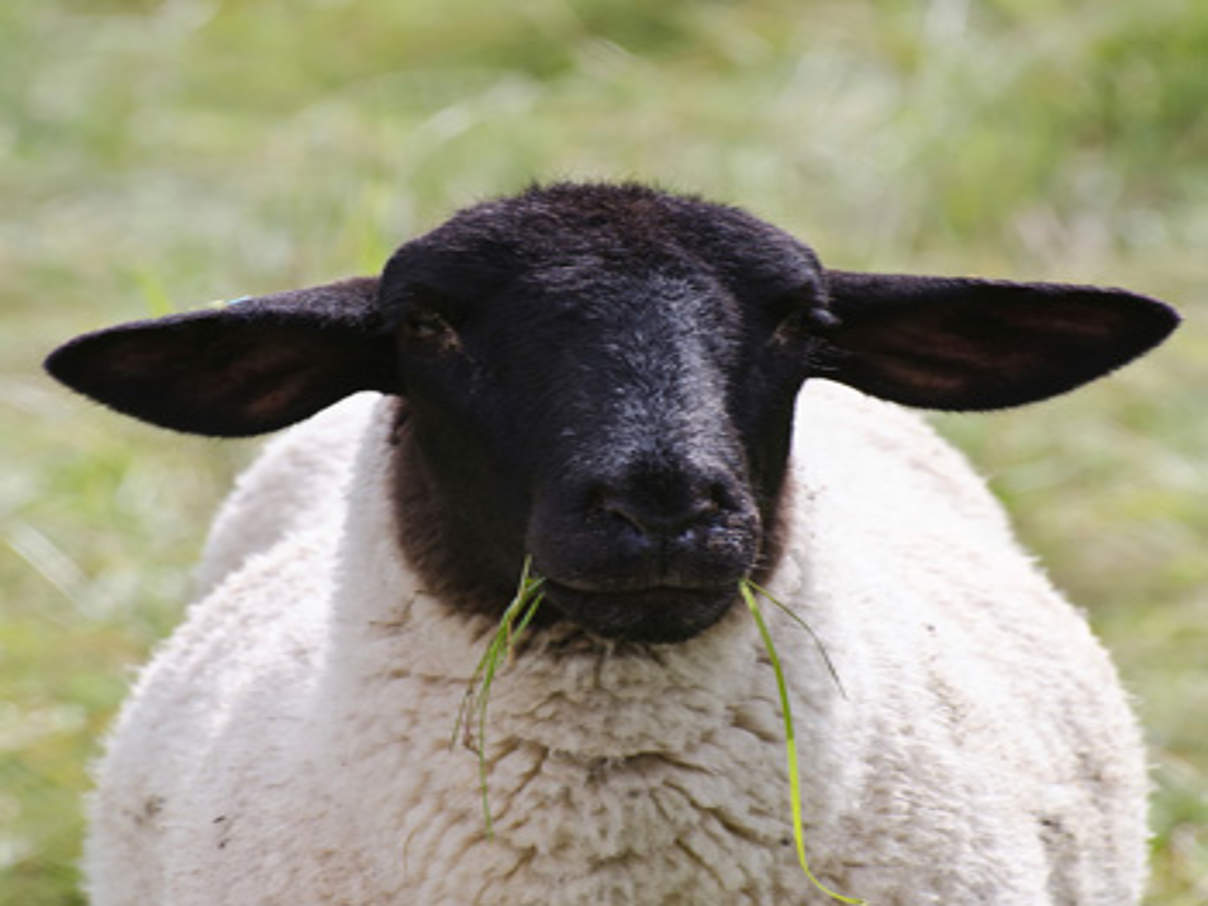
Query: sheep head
(603, 377)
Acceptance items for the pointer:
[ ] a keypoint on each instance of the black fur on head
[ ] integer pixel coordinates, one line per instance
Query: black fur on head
(603, 377)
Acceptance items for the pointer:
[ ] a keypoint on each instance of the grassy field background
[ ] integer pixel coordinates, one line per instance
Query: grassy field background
(157, 154)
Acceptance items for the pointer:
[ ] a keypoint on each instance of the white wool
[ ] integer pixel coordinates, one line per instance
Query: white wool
(290, 744)
(292, 482)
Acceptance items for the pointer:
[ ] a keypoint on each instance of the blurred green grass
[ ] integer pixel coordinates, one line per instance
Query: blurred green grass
(161, 153)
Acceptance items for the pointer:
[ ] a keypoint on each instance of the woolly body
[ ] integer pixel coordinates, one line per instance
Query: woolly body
(290, 743)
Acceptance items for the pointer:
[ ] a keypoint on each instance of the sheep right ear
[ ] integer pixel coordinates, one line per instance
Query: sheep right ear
(967, 343)
(253, 366)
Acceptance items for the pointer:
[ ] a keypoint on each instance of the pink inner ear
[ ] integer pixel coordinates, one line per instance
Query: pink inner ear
(240, 369)
(980, 344)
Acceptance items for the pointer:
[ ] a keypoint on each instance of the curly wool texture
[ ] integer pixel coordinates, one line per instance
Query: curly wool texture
(290, 743)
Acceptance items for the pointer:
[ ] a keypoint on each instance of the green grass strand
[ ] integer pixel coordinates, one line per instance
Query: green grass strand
(790, 743)
(826, 659)
(524, 604)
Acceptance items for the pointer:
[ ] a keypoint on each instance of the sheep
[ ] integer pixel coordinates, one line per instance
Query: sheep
(654, 398)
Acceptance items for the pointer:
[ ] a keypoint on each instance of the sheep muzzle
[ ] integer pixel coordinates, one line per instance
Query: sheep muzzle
(653, 557)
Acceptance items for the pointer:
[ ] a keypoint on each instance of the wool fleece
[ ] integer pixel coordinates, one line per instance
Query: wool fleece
(290, 744)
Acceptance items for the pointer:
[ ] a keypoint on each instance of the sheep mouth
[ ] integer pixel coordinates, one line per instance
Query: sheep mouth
(654, 614)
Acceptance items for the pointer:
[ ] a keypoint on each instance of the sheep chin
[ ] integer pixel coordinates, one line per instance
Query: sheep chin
(655, 615)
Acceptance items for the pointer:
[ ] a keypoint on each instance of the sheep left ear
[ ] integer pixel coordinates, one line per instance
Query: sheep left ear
(247, 367)
(958, 343)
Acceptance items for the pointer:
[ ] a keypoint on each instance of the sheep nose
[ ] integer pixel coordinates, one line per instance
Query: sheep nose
(667, 518)
(668, 502)
(654, 526)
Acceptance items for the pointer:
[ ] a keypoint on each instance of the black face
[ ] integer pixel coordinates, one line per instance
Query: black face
(596, 391)
(602, 377)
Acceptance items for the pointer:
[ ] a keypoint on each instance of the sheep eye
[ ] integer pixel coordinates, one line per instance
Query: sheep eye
(791, 327)
(804, 321)
(426, 326)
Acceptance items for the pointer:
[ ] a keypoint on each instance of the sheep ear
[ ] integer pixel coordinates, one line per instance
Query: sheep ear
(954, 343)
(251, 366)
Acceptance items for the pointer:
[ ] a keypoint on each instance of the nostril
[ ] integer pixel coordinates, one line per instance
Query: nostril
(626, 511)
(615, 508)
(647, 530)
(661, 519)
(720, 497)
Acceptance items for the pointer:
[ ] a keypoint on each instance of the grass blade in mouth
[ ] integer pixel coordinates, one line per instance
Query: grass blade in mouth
(748, 589)
(830, 667)
(515, 620)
